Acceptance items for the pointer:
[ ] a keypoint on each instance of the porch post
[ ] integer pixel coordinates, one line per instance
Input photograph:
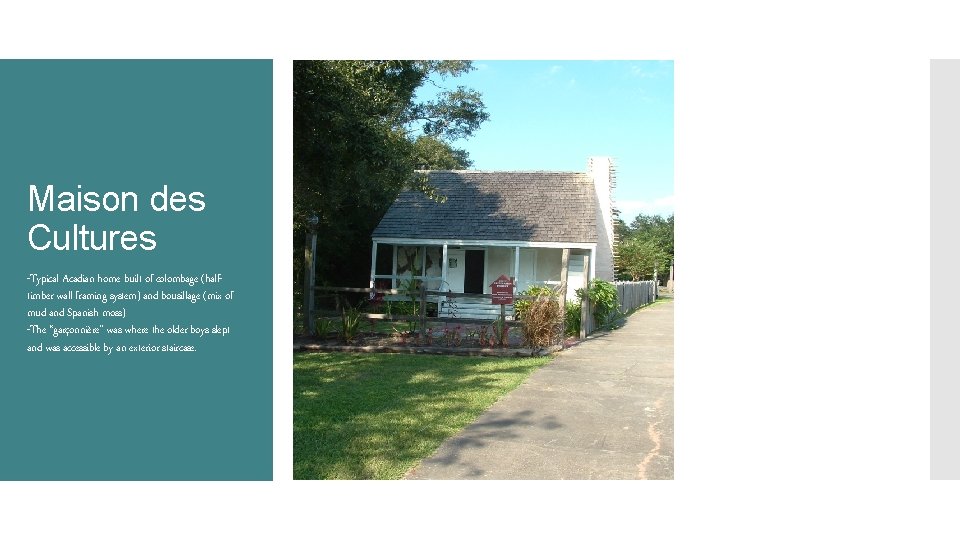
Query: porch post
(586, 317)
(423, 288)
(443, 270)
(516, 268)
(393, 271)
(564, 263)
(593, 263)
(373, 268)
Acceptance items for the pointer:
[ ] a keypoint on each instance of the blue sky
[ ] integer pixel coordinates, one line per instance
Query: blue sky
(553, 115)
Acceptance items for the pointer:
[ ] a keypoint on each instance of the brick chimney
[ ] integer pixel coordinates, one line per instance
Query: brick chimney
(603, 172)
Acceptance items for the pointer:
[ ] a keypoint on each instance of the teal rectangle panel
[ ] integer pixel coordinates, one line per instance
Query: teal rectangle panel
(168, 402)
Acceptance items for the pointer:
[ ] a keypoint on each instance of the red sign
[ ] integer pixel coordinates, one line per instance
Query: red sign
(502, 290)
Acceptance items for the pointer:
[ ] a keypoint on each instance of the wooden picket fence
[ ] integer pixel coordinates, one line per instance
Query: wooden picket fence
(631, 295)
(634, 294)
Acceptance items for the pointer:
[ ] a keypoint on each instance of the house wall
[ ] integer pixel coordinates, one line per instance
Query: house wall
(528, 262)
(542, 266)
(455, 272)
(499, 261)
(577, 274)
(548, 264)
(537, 265)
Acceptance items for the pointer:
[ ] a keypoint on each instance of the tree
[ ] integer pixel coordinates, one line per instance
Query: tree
(645, 245)
(639, 258)
(430, 153)
(656, 228)
(358, 135)
(621, 231)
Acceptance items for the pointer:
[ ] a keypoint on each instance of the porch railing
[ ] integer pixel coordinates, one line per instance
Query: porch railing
(423, 296)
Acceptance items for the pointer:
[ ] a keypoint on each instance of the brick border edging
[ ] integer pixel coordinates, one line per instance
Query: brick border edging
(460, 351)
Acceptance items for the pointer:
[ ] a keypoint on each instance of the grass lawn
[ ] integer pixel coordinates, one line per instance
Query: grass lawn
(377, 415)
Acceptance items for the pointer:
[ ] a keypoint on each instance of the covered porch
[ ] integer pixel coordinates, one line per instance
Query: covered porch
(464, 266)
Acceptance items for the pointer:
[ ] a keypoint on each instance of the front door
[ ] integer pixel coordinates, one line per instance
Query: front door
(455, 264)
(473, 272)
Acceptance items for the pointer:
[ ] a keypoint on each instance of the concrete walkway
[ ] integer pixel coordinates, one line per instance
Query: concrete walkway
(601, 410)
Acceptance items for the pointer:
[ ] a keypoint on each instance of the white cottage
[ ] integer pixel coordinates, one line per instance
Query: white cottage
(492, 223)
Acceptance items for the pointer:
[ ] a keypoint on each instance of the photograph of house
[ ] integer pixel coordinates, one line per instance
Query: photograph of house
(483, 269)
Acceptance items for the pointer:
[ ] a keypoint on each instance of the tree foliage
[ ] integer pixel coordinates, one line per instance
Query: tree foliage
(645, 246)
(621, 230)
(359, 133)
(639, 259)
(655, 228)
(431, 153)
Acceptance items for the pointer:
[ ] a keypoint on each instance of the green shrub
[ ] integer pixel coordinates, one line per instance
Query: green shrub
(403, 308)
(323, 327)
(411, 289)
(520, 306)
(350, 324)
(603, 297)
(572, 319)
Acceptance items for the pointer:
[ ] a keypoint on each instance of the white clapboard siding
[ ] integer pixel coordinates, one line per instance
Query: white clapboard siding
(473, 310)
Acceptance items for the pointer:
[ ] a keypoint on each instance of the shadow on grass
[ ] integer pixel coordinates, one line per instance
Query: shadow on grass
(377, 415)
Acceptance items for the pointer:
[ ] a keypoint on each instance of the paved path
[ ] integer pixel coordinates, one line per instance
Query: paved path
(601, 410)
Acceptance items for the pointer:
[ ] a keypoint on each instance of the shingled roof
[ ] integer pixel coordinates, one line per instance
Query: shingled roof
(523, 206)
